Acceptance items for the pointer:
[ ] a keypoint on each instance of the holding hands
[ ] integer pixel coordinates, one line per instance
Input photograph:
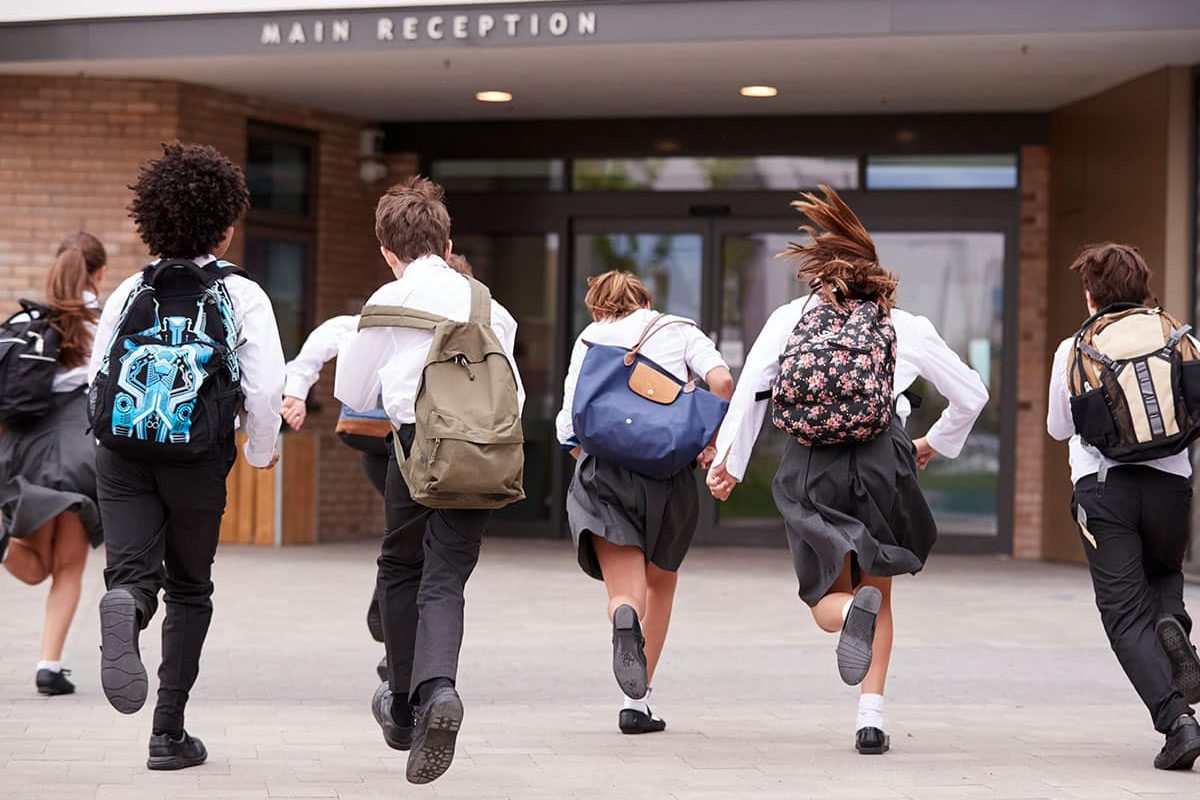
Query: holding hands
(720, 482)
(293, 412)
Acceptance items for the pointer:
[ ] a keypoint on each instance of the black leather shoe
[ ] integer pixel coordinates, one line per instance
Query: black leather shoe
(167, 752)
(629, 656)
(375, 620)
(858, 635)
(1182, 747)
(397, 737)
(122, 673)
(872, 742)
(381, 669)
(1185, 664)
(50, 682)
(632, 721)
(435, 730)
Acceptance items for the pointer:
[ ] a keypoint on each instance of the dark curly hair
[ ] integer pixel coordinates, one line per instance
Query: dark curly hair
(185, 201)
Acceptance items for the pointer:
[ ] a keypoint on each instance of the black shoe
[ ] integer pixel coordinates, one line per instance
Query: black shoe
(629, 656)
(375, 620)
(1182, 747)
(51, 682)
(122, 673)
(1185, 664)
(168, 752)
(381, 669)
(632, 721)
(435, 730)
(872, 742)
(858, 634)
(397, 737)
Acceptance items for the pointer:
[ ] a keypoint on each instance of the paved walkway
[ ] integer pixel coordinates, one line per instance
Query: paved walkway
(1002, 687)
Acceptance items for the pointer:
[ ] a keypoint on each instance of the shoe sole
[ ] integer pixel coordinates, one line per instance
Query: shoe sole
(629, 658)
(377, 703)
(375, 622)
(167, 763)
(381, 670)
(430, 759)
(874, 751)
(122, 673)
(858, 635)
(1185, 666)
(52, 693)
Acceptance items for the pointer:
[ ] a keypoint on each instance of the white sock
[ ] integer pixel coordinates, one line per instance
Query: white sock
(53, 666)
(642, 705)
(846, 609)
(870, 712)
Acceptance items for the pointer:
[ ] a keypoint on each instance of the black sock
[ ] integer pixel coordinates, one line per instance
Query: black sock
(427, 688)
(402, 712)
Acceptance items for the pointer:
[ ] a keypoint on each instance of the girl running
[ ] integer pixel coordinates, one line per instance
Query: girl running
(854, 513)
(632, 531)
(48, 509)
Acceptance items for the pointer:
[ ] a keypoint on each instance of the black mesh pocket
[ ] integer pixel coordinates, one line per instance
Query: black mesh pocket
(1094, 420)
(1190, 384)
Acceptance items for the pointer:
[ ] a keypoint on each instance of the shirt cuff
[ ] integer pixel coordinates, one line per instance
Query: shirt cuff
(295, 386)
(257, 457)
(708, 365)
(944, 445)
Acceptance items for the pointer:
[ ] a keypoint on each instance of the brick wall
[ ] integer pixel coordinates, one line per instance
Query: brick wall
(1033, 352)
(70, 146)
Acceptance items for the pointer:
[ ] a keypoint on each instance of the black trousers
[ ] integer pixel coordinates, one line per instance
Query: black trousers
(376, 468)
(161, 526)
(1135, 531)
(426, 558)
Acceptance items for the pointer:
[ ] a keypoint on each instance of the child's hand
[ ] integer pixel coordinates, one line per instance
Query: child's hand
(720, 482)
(925, 452)
(705, 459)
(293, 412)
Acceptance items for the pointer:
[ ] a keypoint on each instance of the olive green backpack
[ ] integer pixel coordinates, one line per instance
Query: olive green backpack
(468, 451)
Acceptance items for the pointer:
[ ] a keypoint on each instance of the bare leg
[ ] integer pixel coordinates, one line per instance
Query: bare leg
(68, 557)
(660, 597)
(29, 558)
(624, 570)
(828, 611)
(881, 648)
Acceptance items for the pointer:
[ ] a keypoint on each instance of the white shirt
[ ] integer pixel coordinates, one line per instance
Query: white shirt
(390, 360)
(920, 352)
(260, 356)
(1060, 425)
(320, 346)
(676, 348)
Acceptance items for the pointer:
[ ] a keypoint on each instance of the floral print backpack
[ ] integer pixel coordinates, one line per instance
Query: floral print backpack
(836, 376)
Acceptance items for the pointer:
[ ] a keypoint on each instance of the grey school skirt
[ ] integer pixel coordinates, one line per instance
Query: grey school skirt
(626, 508)
(49, 467)
(859, 499)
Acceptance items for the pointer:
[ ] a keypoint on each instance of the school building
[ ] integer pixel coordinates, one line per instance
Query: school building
(982, 141)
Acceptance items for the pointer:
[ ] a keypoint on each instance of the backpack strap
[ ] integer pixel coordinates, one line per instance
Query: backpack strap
(481, 303)
(378, 316)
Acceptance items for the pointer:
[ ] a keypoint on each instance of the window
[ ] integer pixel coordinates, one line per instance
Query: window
(689, 173)
(942, 172)
(500, 175)
(281, 224)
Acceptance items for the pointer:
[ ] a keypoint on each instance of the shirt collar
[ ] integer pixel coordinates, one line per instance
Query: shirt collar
(90, 299)
(425, 265)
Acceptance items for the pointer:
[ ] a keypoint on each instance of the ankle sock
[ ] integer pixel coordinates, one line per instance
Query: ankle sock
(870, 712)
(846, 609)
(642, 705)
(53, 666)
(427, 688)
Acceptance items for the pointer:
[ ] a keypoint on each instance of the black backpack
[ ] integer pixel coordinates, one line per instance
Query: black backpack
(29, 345)
(169, 388)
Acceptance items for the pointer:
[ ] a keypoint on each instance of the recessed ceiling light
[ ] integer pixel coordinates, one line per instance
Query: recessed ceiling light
(493, 96)
(759, 91)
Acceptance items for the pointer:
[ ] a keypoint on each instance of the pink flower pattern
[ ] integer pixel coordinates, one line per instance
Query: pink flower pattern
(836, 376)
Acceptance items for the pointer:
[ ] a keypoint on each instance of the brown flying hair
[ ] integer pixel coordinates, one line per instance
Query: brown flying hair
(459, 263)
(411, 219)
(1114, 273)
(615, 294)
(840, 263)
(73, 272)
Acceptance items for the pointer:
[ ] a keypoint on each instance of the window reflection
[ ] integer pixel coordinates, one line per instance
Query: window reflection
(689, 173)
(942, 172)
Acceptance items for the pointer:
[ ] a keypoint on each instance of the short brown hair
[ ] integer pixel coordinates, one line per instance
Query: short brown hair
(411, 219)
(459, 264)
(616, 294)
(1114, 273)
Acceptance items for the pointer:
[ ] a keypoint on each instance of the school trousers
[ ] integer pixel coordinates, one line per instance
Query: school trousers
(1135, 534)
(161, 526)
(426, 557)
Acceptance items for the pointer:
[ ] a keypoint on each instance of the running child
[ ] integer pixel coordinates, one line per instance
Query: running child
(632, 531)
(1133, 516)
(182, 347)
(847, 485)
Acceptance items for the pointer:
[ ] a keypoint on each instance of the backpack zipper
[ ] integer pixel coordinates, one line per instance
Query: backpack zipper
(462, 362)
(433, 453)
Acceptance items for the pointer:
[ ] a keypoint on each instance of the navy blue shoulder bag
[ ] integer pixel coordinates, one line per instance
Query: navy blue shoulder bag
(631, 412)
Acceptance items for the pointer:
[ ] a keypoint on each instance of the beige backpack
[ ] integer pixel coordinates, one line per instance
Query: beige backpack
(468, 451)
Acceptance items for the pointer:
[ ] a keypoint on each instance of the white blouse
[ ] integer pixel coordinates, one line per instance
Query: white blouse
(676, 348)
(920, 352)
